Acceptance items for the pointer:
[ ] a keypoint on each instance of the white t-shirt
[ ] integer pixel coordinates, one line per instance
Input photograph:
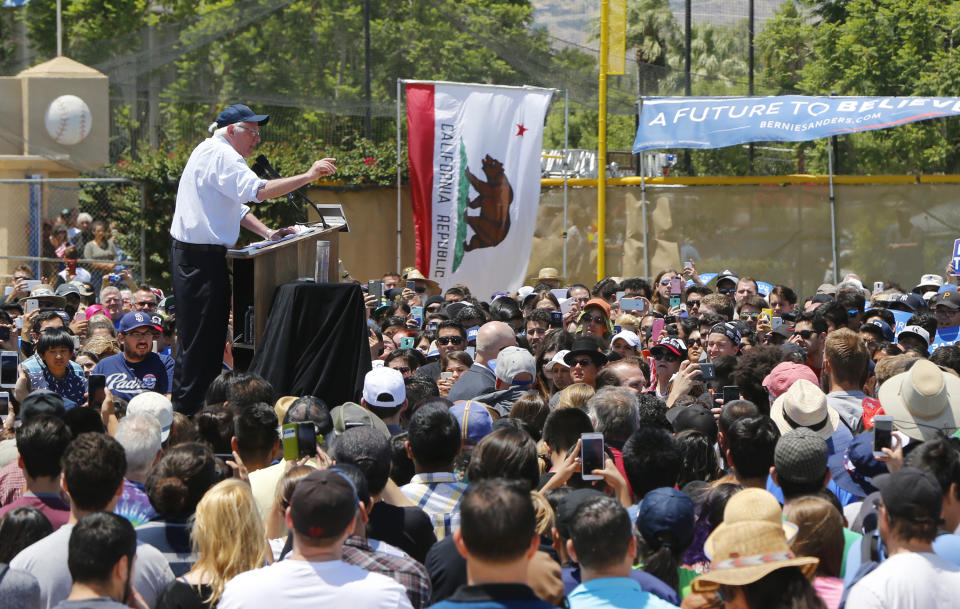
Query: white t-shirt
(47, 561)
(909, 580)
(215, 184)
(296, 584)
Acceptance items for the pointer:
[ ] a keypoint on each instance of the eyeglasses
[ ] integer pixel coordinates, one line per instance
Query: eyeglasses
(433, 308)
(750, 315)
(402, 369)
(450, 340)
(583, 363)
(727, 290)
(804, 334)
(596, 319)
(420, 289)
(253, 132)
(853, 312)
(664, 282)
(945, 311)
(693, 303)
(667, 357)
(139, 335)
(696, 342)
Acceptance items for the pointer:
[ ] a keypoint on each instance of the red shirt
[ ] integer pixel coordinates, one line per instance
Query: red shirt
(53, 507)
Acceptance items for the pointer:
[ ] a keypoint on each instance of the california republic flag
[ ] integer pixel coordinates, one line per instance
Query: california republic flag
(475, 181)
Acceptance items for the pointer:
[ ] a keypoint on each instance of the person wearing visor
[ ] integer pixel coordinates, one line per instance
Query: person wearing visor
(667, 355)
(211, 207)
(595, 319)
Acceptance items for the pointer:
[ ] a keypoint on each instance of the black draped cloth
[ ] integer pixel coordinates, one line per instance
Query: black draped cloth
(315, 342)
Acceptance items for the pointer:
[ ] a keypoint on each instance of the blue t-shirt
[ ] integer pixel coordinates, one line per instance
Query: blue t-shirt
(126, 379)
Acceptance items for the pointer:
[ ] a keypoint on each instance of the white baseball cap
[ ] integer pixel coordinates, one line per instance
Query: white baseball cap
(384, 387)
(557, 360)
(156, 405)
(627, 336)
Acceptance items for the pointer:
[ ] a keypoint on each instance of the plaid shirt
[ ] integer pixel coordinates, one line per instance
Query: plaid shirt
(402, 569)
(438, 494)
(12, 483)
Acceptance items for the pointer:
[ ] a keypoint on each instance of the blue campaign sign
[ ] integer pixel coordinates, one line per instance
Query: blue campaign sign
(764, 288)
(955, 259)
(706, 278)
(715, 122)
(945, 337)
(901, 318)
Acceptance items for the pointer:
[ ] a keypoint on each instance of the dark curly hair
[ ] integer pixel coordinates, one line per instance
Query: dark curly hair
(752, 367)
(180, 479)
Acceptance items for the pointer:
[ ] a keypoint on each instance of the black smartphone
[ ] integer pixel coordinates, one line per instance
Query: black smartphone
(375, 288)
(95, 387)
(882, 434)
(4, 333)
(299, 440)
(556, 319)
(730, 393)
(591, 455)
(4, 403)
(412, 285)
(707, 371)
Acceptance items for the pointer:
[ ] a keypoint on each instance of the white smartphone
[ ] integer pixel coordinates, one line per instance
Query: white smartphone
(591, 455)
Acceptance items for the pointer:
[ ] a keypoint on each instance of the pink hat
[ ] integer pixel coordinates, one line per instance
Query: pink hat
(785, 374)
(93, 310)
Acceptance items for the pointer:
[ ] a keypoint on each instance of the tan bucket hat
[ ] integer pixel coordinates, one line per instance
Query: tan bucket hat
(804, 405)
(923, 401)
(753, 505)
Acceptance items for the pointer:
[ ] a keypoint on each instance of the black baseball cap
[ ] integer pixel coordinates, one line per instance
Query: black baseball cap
(569, 504)
(41, 401)
(323, 504)
(238, 113)
(911, 493)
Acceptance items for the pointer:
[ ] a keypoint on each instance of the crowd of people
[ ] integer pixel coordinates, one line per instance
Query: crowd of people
(626, 444)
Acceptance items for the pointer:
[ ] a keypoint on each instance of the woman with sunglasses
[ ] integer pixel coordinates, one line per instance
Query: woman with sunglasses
(594, 320)
(661, 287)
(667, 355)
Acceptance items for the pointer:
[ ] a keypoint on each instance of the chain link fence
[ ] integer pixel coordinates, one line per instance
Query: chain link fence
(72, 229)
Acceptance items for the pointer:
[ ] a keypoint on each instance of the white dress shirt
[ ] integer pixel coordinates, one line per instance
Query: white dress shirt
(213, 189)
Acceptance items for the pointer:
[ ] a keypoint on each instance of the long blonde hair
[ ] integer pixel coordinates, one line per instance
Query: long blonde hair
(228, 534)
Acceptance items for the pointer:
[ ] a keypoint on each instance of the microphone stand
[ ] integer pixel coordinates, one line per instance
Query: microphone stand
(265, 170)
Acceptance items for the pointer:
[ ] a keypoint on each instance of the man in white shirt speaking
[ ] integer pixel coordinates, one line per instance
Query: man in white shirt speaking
(215, 185)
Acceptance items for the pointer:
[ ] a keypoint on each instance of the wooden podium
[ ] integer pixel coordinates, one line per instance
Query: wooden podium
(258, 271)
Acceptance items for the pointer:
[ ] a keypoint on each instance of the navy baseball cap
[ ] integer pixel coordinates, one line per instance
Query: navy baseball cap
(238, 113)
(136, 319)
(877, 324)
(666, 510)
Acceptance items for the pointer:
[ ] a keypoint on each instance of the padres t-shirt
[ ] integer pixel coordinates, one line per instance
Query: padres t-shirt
(127, 379)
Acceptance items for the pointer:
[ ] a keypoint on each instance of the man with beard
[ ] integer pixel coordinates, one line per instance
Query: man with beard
(137, 369)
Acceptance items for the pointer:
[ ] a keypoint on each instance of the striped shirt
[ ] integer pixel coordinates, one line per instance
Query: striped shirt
(438, 494)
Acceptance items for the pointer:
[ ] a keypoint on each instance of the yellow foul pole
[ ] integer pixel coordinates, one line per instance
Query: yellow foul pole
(602, 142)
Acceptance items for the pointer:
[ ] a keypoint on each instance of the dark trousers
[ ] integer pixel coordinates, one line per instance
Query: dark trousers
(201, 287)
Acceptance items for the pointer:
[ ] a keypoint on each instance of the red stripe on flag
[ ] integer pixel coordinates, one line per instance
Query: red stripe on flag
(420, 129)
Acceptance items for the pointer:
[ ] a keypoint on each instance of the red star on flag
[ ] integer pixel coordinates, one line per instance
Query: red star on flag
(521, 129)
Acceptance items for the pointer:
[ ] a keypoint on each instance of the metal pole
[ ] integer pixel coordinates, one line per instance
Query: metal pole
(750, 61)
(602, 143)
(367, 128)
(643, 211)
(833, 217)
(566, 153)
(143, 234)
(399, 174)
(687, 61)
(59, 30)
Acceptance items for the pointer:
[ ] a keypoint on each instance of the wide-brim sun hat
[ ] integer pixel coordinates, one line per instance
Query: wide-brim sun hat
(752, 505)
(748, 551)
(924, 401)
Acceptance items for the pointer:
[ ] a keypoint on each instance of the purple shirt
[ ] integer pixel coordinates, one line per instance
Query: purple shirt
(134, 505)
(53, 507)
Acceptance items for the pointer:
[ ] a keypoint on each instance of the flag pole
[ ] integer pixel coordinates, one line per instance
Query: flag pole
(566, 155)
(399, 174)
(602, 142)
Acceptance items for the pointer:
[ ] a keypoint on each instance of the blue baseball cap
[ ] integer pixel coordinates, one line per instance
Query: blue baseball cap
(136, 319)
(666, 510)
(883, 326)
(238, 113)
(474, 420)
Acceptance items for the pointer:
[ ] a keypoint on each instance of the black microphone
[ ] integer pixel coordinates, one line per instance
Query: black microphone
(265, 170)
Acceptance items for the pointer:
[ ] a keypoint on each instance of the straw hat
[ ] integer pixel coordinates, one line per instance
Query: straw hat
(747, 551)
(412, 273)
(548, 272)
(923, 401)
(752, 505)
(804, 405)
